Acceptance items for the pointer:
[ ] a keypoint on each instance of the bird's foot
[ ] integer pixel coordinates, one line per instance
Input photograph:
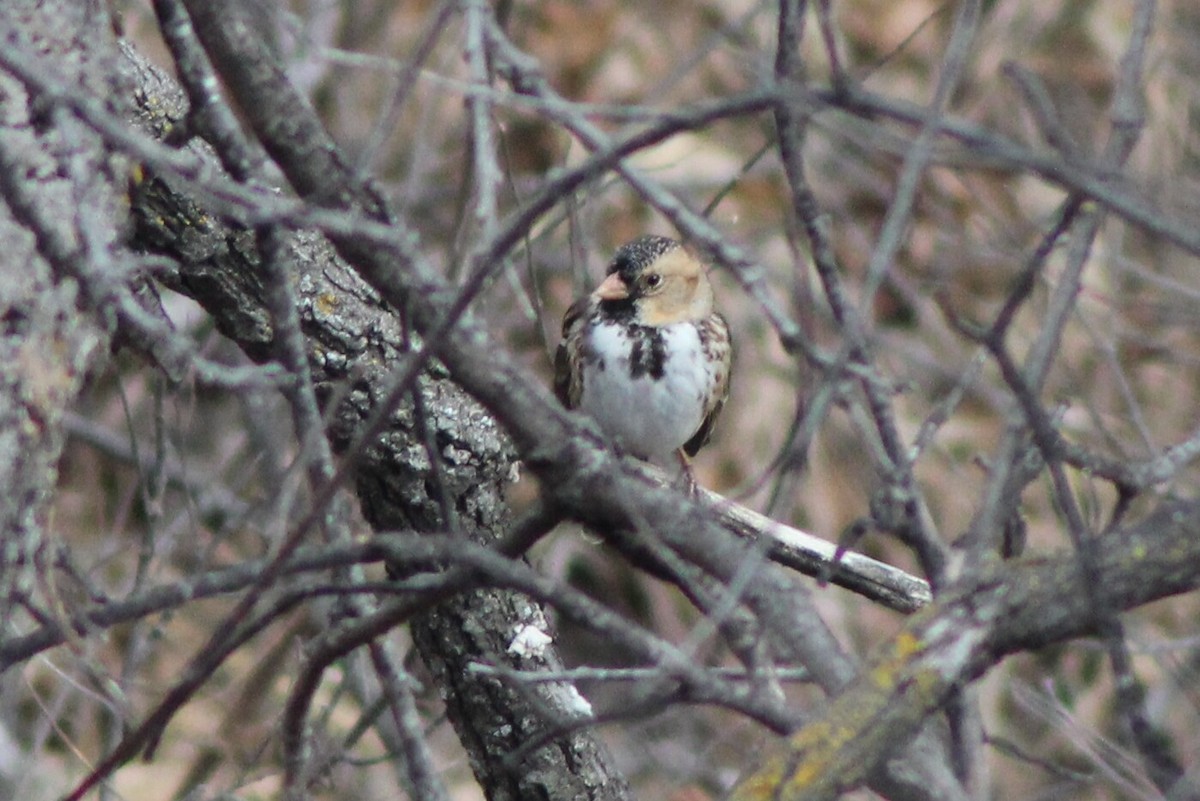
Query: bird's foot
(685, 481)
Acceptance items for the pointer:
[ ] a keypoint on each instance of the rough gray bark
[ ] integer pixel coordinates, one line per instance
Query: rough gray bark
(71, 182)
(49, 339)
(40, 303)
(356, 344)
(1021, 605)
(590, 482)
(60, 175)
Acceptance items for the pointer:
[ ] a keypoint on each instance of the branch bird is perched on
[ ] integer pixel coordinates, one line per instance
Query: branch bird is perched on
(646, 355)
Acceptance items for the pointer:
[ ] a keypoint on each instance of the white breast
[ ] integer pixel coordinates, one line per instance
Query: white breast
(648, 417)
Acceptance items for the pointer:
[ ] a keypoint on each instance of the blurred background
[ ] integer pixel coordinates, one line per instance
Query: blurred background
(1124, 382)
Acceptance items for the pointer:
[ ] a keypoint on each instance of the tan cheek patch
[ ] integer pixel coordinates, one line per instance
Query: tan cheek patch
(671, 306)
(654, 314)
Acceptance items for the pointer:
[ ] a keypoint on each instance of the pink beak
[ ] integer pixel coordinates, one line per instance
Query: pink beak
(612, 288)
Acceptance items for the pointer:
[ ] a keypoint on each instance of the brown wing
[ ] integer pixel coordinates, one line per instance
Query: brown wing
(568, 377)
(718, 349)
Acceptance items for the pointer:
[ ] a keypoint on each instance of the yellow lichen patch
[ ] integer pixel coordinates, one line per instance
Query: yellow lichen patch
(885, 674)
(928, 683)
(813, 735)
(760, 784)
(806, 759)
(325, 304)
(905, 645)
(782, 777)
(806, 772)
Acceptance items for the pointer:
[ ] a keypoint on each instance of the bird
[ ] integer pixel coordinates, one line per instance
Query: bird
(647, 356)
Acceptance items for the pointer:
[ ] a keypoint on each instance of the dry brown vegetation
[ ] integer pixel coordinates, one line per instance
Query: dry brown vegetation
(1054, 115)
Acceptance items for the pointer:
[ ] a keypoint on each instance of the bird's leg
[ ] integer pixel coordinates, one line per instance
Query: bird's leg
(686, 478)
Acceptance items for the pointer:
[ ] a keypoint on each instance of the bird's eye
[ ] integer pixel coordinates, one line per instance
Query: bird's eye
(653, 280)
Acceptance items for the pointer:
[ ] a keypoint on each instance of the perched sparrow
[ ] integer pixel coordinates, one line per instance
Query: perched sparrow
(646, 355)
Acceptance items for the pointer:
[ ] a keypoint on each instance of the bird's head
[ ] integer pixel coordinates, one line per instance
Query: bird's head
(656, 281)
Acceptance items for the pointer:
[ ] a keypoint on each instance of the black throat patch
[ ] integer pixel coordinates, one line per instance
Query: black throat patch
(647, 351)
(618, 311)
